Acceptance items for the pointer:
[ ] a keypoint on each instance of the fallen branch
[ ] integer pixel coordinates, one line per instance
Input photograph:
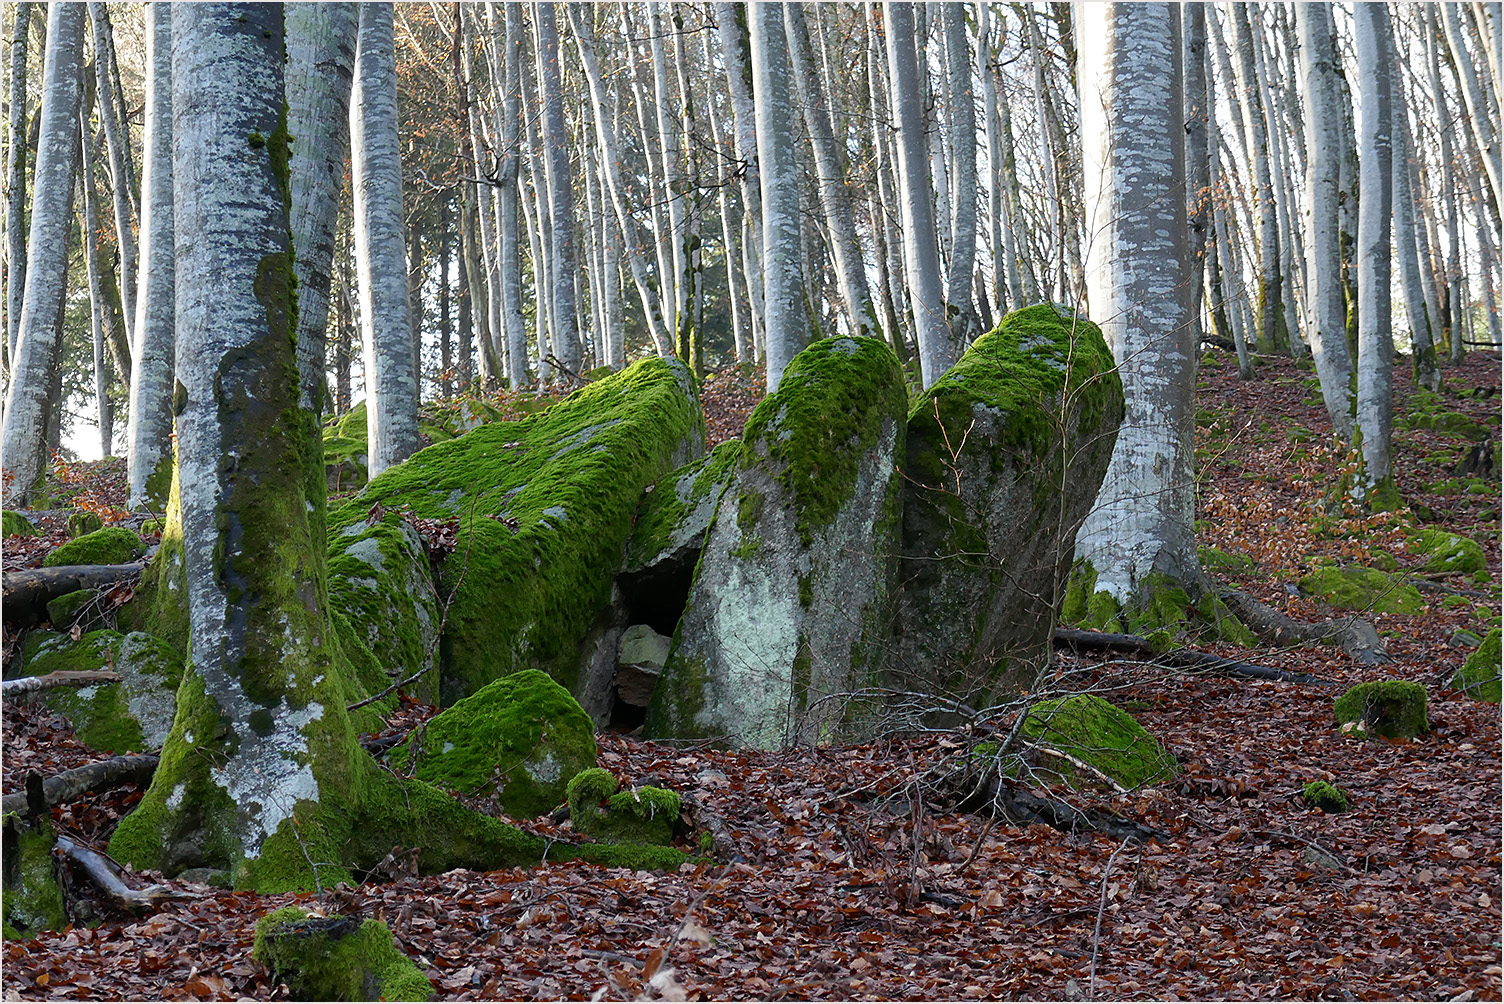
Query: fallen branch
(1353, 635)
(723, 843)
(1096, 937)
(1181, 658)
(59, 789)
(104, 874)
(60, 678)
(1007, 799)
(26, 593)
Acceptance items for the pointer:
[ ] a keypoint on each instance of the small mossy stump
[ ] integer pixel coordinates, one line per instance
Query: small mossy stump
(1478, 677)
(644, 815)
(113, 545)
(1005, 455)
(791, 603)
(132, 715)
(1325, 796)
(81, 523)
(1394, 709)
(1447, 552)
(1096, 732)
(32, 901)
(1353, 587)
(13, 524)
(514, 744)
(544, 506)
(336, 958)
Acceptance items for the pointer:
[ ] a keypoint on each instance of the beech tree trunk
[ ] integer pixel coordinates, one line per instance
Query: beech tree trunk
(1371, 38)
(15, 179)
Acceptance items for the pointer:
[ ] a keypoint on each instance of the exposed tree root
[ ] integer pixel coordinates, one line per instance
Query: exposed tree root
(103, 876)
(1353, 635)
(1000, 797)
(1182, 658)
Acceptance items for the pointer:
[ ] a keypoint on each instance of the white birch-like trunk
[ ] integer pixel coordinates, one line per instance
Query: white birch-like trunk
(380, 257)
(1371, 41)
(117, 144)
(1324, 146)
(1407, 252)
(783, 283)
(15, 178)
(320, 68)
(566, 336)
(514, 325)
(937, 352)
(961, 115)
(1482, 117)
(736, 54)
(90, 235)
(1138, 276)
(149, 430)
(735, 283)
(25, 425)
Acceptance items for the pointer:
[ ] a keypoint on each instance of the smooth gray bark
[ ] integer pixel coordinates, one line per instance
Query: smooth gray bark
(514, 326)
(117, 142)
(15, 178)
(961, 115)
(380, 257)
(566, 336)
(320, 68)
(1374, 51)
(24, 437)
(1407, 252)
(736, 54)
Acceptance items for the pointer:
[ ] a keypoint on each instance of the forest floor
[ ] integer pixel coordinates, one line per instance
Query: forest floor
(846, 893)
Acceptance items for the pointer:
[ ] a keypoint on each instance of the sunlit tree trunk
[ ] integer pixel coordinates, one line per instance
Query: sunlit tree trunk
(1482, 115)
(1374, 51)
(1138, 274)
(566, 336)
(117, 143)
(380, 258)
(1407, 252)
(514, 325)
(1256, 128)
(32, 361)
(15, 178)
(148, 434)
(90, 235)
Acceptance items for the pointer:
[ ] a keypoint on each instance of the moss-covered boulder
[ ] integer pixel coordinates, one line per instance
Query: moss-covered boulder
(1005, 456)
(63, 611)
(1394, 709)
(1447, 552)
(1353, 587)
(132, 715)
(513, 745)
(542, 509)
(13, 524)
(336, 958)
(1453, 424)
(113, 545)
(643, 815)
(1325, 796)
(1478, 676)
(32, 901)
(346, 463)
(1098, 733)
(791, 601)
(676, 512)
(81, 523)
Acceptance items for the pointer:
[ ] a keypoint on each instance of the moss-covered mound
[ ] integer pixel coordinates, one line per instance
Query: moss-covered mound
(1479, 675)
(1394, 709)
(1353, 587)
(1447, 552)
(1326, 797)
(1005, 455)
(336, 958)
(640, 816)
(1225, 562)
(518, 740)
(543, 507)
(132, 715)
(80, 523)
(33, 901)
(1448, 423)
(791, 600)
(113, 545)
(1090, 729)
(13, 524)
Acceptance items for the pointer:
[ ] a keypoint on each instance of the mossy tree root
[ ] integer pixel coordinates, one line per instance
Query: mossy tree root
(1354, 635)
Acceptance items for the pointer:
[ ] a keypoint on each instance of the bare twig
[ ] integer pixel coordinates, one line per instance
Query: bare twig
(1096, 937)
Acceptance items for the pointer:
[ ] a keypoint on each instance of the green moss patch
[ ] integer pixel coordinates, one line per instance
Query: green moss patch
(81, 523)
(33, 901)
(336, 958)
(1353, 587)
(677, 511)
(64, 610)
(519, 739)
(13, 524)
(1326, 797)
(1225, 562)
(132, 715)
(1096, 732)
(1394, 709)
(639, 816)
(1447, 552)
(114, 545)
(1478, 676)
(1448, 423)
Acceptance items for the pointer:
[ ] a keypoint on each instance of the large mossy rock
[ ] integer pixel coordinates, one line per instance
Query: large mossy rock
(1479, 675)
(1394, 709)
(791, 603)
(13, 524)
(132, 715)
(514, 744)
(1005, 455)
(543, 508)
(676, 512)
(1353, 587)
(1447, 552)
(113, 545)
(336, 958)
(1098, 733)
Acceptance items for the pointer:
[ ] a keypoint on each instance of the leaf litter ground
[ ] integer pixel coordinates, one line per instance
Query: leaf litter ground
(842, 893)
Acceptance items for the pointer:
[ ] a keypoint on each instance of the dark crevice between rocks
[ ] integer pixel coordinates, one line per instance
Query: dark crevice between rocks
(655, 596)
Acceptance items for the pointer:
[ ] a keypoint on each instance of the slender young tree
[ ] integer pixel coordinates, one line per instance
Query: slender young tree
(35, 354)
(937, 351)
(566, 336)
(117, 144)
(1374, 51)
(15, 177)
(1139, 277)
(380, 258)
(960, 103)
(785, 330)
(1407, 252)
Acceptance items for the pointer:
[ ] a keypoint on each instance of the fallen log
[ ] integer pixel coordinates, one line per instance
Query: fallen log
(60, 678)
(26, 593)
(1353, 635)
(59, 789)
(1180, 658)
(104, 875)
